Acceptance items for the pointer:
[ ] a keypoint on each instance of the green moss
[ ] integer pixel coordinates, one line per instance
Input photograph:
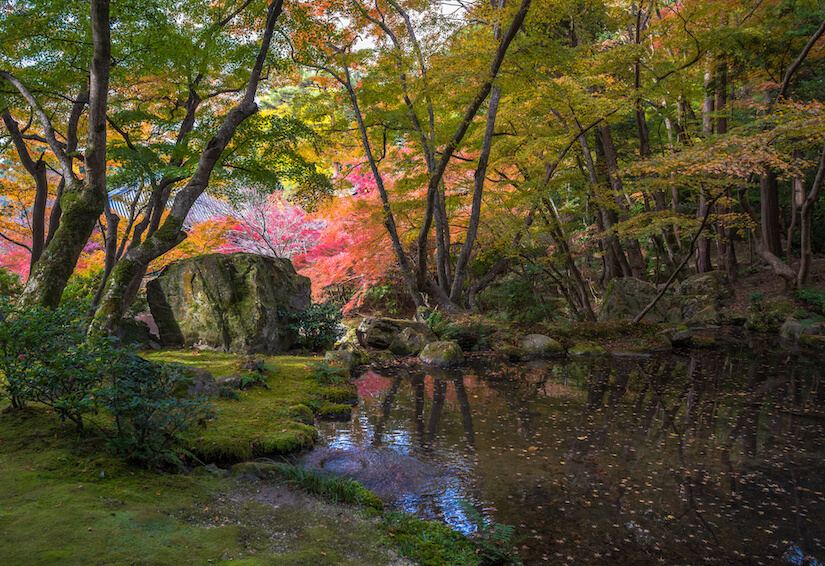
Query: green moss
(301, 413)
(586, 349)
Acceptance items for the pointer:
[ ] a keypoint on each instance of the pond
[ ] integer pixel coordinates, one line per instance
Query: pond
(705, 456)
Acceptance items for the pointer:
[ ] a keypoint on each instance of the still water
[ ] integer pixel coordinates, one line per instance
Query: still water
(707, 456)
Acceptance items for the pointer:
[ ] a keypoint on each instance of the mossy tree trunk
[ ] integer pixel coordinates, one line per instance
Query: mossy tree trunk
(122, 286)
(82, 200)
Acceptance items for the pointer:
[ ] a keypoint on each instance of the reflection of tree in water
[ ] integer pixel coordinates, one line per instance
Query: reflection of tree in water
(712, 456)
(723, 429)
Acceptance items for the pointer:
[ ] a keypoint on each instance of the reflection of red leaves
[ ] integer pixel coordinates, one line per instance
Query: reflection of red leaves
(371, 384)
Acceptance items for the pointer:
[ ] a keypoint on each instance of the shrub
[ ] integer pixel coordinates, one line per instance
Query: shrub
(148, 421)
(317, 327)
(326, 374)
(45, 358)
(82, 287)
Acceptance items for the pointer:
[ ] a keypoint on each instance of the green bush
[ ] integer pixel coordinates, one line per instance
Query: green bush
(317, 327)
(149, 422)
(82, 287)
(10, 284)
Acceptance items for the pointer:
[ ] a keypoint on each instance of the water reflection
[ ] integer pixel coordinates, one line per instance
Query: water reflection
(711, 457)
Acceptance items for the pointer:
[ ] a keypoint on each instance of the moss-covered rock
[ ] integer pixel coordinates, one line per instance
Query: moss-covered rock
(380, 356)
(540, 345)
(301, 413)
(198, 383)
(812, 341)
(627, 296)
(342, 359)
(334, 412)
(377, 332)
(677, 336)
(443, 353)
(341, 396)
(408, 343)
(229, 302)
(513, 353)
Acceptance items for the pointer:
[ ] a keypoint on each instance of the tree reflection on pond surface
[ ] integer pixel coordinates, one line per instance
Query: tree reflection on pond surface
(715, 456)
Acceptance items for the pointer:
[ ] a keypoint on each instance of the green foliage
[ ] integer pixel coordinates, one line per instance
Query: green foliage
(45, 359)
(757, 300)
(494, 540)
(82, 286)
(388, 297)
(149, 422)
(814, 299)
(522, 297)
(326, 374)
(317, 327)
(10, 284)
(430, 544)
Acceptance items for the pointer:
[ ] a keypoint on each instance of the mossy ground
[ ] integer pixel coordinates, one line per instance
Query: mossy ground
(262, 421)
(64, 500)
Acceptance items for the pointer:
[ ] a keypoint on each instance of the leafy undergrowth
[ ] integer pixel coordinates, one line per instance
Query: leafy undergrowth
(64, 501)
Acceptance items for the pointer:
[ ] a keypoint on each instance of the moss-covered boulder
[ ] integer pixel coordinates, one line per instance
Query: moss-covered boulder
(715, 284)
(230, 302)
(513, 353)
(540, 345)
(770, 315)
(342, 359)
(678, 335)
(199, 383)
(408, 343)
(703, 297)
(443, 354)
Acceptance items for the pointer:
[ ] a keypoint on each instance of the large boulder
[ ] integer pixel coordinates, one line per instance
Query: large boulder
(627, 296)
(443, 354)
(703, 296)
(229, 302)
(408, 342)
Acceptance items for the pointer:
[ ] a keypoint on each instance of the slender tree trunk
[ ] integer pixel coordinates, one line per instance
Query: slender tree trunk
(805, 252)
(634, 250)
(37, 170)
(769, 198)
(478, 189)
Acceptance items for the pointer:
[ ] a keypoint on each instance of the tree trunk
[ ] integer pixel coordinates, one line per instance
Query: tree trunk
(82, 202)
(475, 210)
(769, 196)
(805, 253)
(634, 250)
